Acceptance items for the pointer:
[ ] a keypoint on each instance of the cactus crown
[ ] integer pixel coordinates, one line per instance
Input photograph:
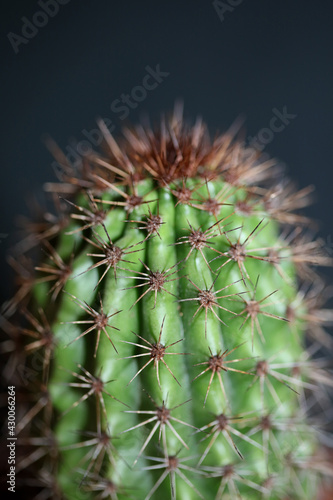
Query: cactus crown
(169, 315)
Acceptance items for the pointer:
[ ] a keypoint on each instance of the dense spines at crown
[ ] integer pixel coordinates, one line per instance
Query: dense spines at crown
(173, 334)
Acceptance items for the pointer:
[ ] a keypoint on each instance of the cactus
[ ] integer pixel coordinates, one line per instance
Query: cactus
(170, 326)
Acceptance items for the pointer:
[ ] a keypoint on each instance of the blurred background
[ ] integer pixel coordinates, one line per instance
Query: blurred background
(67, 62)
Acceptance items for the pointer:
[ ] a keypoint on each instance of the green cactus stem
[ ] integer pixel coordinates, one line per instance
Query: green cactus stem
(171, 307)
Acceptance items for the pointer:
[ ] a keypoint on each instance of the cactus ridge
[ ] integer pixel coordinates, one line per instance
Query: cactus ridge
(178, 322)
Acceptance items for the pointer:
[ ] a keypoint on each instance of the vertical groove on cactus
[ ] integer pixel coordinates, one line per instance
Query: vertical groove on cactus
(177, 318)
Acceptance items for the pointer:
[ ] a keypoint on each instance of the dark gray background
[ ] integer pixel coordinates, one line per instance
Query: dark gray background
(263, 55)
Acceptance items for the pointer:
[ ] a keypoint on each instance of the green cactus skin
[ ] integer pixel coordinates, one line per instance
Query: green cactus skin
(177, 365)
